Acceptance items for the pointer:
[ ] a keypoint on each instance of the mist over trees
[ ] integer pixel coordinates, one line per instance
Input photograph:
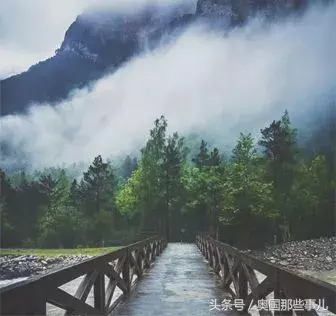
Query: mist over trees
(267, 188)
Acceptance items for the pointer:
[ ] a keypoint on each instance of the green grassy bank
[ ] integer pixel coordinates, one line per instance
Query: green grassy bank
(58, 252)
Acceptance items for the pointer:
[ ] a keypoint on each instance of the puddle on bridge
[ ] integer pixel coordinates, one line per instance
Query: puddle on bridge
(179, 283)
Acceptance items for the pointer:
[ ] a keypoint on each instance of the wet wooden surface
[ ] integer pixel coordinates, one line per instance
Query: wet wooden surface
(179, 283)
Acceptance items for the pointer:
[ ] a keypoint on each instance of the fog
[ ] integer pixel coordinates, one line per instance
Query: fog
(203, 82)
(31, 31)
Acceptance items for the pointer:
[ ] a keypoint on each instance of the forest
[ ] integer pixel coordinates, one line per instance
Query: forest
(266, 191)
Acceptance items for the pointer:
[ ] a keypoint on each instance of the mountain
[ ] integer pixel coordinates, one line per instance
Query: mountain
(240, 10)
(93, 46)
(99, 42)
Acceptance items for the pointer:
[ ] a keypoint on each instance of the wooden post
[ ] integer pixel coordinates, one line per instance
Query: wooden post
(277, 294)
(153, 251)
(280, 294)
(146, 257)
(99, 293)
(158, 246)
(215, 258)
(126, 272)
(31, 297)
(226, 270)
(207, 250)
(210, 258)
(242, 283)
(139, 263)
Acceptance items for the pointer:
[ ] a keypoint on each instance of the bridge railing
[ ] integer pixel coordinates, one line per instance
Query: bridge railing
(120, 268)
(237, 271)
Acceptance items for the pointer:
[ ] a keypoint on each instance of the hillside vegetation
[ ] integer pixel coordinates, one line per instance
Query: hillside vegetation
(248, 200)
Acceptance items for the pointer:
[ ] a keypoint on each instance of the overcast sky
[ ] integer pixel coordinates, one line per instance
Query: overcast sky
(202, 82)
(31, 30)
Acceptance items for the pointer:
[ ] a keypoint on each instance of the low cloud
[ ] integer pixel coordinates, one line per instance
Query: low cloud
(204, 81)
(31, 31)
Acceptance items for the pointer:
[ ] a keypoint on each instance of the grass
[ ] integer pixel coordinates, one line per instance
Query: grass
(58, 252)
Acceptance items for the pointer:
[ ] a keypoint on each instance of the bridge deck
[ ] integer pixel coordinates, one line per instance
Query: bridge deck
(180, 283)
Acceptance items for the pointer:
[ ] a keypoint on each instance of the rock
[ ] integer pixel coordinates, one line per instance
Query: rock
(22, 266)
(312, 254)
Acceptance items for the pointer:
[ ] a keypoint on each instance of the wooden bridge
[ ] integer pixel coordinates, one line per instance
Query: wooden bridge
(179, 282)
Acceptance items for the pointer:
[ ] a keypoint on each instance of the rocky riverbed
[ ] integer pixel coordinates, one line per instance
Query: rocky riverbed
(313, 255)
(12, 266)
(308, 255)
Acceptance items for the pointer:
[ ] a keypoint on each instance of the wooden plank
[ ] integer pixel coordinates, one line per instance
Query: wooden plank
(258, 264)
(139, 261)
(31, 296)
(65, 275)
(99, 293)
(134, 263)
(308, 287)
(302, 286)
(251, 277)
(242, 282)
(70, 303)
(115, 304)
(262, 290)
(232, 277)
(306, 313)
(126, 274)
(220, 262)
(278, 279)
(84, 288)
(148, 255)
(112, 274)
(25, 300)
(110, 292)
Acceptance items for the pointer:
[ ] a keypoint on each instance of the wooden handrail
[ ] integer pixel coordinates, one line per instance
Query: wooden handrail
(30, 297)
(237, 268)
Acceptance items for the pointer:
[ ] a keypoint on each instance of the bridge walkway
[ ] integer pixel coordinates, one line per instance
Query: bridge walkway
(179, 283)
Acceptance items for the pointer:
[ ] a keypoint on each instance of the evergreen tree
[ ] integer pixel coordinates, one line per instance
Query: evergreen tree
(215, 159)
(98, 187)
(203, 157)
(46, 186)
(129, 165)
(152, 165)
(247, 199)
(8, 236)
(175, 154)
(75, 197)
(279, 142)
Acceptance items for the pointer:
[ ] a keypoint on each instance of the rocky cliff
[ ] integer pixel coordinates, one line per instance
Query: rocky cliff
(99, 42)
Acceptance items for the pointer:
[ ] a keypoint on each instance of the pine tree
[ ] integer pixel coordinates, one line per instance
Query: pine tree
(152, 165)
(98, 187)
(46, 187)
(279, 142)
(175, 154)
(215, 159)
(203, 157)
(129, 165)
